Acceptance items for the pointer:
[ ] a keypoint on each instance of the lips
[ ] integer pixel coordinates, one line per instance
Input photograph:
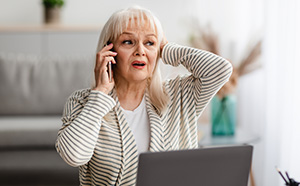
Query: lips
(138, 64)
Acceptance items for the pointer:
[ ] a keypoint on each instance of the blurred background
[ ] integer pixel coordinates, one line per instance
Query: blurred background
(267, 99)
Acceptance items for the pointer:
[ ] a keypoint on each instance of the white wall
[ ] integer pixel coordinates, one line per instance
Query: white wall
(234, 20)
(96, 12)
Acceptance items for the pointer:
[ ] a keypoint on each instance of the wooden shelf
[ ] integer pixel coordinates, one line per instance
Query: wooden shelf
(49, 40)
(50, 28)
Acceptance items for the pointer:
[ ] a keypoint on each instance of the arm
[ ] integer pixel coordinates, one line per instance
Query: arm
(209, 72)
(83, 114)
(81, 124)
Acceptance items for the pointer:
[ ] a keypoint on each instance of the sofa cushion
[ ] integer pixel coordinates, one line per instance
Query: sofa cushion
(28, 131)
(41, 85)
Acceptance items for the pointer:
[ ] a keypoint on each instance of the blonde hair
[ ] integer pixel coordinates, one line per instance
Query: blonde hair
(115, 26)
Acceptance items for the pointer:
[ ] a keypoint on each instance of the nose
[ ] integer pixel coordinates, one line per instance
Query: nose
(140, 50)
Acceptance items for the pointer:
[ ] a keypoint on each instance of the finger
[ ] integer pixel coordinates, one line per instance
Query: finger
(101, 74)
(108, 47)
(102, 71)
(104, 77)
(109, 53)
(111, 59)
(105, 51)
(106, 61)
(114, 61)
(101, 56)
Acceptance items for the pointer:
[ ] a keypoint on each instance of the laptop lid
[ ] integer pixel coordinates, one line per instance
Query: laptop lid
(226, 166)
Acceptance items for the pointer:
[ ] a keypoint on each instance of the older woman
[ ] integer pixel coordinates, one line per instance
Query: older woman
(106, 127)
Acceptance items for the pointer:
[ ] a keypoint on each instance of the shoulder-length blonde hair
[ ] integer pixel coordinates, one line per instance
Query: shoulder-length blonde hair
(115, 26)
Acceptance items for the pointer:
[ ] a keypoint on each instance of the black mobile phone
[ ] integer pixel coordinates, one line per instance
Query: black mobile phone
(109, 65)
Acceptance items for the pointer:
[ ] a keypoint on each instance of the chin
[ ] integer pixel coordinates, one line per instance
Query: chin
(140, 78)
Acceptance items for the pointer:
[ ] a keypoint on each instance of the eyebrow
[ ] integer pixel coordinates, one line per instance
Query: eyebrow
(132, 33)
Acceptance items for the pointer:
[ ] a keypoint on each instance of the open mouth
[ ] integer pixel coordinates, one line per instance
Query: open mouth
(138, 64)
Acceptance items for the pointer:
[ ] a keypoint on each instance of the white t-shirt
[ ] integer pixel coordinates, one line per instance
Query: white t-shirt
(139, 124)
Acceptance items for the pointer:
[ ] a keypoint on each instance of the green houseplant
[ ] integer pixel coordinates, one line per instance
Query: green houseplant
(52, 9)
(53, 3)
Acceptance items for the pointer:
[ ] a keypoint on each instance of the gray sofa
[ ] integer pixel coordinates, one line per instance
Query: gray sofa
(33, 92)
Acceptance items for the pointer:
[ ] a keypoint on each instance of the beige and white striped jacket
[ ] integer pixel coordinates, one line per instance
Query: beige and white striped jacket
(106, 151)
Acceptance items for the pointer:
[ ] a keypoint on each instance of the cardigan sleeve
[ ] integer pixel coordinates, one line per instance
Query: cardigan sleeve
(209, 73)
(81, 119)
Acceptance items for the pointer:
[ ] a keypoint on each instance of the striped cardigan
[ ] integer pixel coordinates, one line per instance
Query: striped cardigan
(105, 149)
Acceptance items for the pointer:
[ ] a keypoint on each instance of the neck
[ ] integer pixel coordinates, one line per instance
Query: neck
(130, 95)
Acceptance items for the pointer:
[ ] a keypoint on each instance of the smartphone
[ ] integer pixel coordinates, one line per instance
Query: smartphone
(109, 71)
(109, 65)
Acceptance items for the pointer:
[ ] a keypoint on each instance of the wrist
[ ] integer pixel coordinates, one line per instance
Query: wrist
(162, 45)
(103, 90)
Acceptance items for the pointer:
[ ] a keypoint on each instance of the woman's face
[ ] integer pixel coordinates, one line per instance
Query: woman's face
(137, 49)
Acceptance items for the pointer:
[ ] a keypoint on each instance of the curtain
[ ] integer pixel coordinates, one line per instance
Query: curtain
(282, 65)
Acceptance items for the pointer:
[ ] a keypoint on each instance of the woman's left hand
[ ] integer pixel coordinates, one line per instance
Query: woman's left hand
(162, 44)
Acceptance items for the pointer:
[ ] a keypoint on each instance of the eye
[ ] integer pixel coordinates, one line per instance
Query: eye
(149, 43)
(127, 42)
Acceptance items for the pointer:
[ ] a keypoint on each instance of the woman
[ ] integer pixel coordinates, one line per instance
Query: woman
(106, 127)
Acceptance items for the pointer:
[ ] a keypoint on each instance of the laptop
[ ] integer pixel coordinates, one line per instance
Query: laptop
(212, 166)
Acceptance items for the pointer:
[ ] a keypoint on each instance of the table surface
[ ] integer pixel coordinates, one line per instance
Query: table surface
(240, 137)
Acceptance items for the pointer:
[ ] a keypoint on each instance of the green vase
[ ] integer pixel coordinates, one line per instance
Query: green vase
(223, 115)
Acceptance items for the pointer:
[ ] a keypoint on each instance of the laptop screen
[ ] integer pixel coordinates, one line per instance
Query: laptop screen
(226, 166)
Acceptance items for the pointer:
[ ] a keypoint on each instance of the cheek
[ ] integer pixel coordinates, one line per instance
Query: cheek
(121, 58)
(153, 57)
(153, 64)
(154, 60)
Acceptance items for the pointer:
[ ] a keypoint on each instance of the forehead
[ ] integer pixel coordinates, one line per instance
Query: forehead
(140, 25)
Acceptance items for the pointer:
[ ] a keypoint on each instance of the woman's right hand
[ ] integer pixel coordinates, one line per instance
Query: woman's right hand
(104, 56)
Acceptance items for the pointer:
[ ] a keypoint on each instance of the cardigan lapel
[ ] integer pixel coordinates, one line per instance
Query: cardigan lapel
(129, 148)
(156, 128)
(128, 144)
